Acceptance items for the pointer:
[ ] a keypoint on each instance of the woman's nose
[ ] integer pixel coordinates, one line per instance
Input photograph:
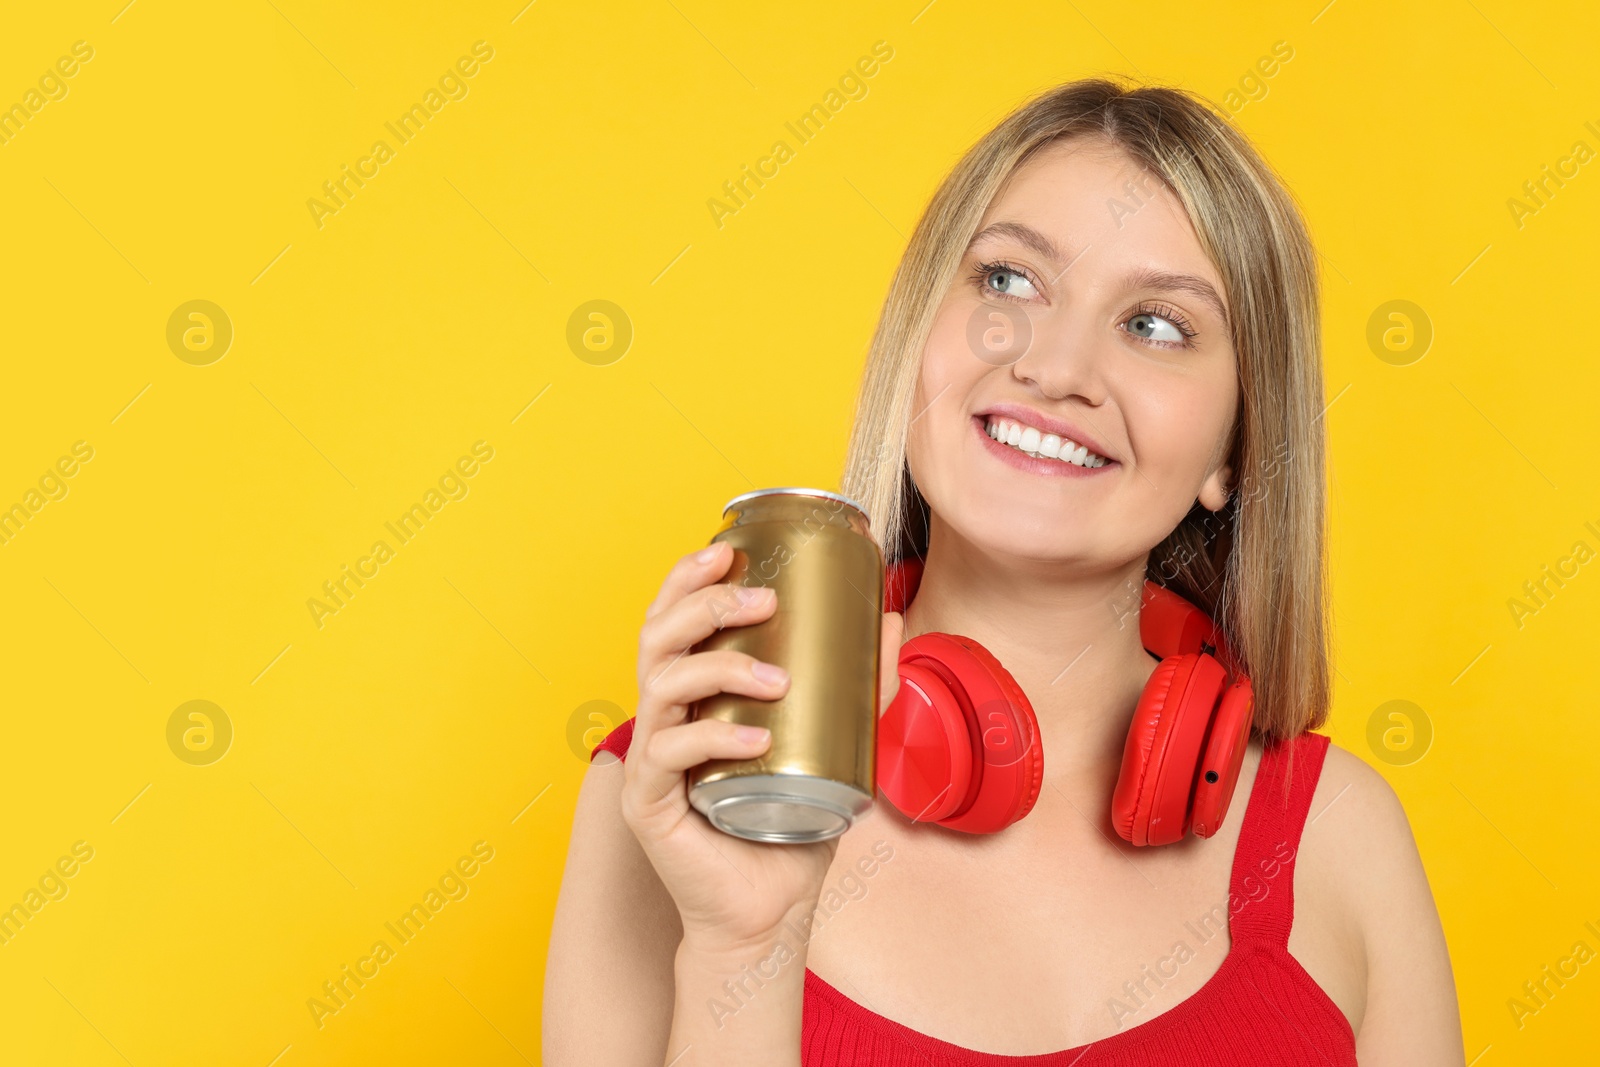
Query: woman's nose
(1064, 357)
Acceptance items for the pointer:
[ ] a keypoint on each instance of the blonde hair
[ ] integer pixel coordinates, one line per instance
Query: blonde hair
(1258, 566)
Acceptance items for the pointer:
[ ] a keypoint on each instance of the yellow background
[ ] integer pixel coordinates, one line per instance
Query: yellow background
(436, 708)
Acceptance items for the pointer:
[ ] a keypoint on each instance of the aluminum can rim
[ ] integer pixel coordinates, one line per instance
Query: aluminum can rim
(798, 491)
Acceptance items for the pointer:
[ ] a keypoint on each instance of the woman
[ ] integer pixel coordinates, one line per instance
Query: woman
(1098, 362)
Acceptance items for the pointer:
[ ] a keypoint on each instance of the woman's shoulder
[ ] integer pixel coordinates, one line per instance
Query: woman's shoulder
(1348, 780)
(1360, 874)
(1356, 819)
(1356, 843)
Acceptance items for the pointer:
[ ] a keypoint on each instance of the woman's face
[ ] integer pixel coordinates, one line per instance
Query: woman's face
(1050, 326)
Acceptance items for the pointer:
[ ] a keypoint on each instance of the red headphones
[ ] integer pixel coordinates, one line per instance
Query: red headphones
(959, 744)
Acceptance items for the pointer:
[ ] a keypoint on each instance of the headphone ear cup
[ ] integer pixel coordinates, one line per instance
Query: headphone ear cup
(1225, 748)
(962, 745)
(1161, 758)
(1148, 717)
(924, 745)
(1006, 748)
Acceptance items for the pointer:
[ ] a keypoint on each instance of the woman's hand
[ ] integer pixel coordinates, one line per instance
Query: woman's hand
(729, 891)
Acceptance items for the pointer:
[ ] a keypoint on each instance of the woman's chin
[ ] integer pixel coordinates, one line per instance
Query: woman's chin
(1024, 536)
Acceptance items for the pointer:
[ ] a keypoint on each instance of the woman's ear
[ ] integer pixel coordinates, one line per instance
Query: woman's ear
(1215, 489)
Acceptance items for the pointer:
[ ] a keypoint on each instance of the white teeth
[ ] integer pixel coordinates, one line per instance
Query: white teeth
(1033, 442)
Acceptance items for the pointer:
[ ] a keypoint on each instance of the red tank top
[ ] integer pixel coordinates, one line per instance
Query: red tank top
(1260, 1008)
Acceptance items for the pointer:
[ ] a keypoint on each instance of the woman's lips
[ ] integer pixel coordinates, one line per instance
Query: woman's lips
(1036, 465)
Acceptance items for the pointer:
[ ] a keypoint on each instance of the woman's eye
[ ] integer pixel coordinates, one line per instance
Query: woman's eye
(1145, 324)
(1009, 283)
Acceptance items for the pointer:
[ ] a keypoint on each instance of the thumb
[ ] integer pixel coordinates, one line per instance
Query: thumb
(894, 629)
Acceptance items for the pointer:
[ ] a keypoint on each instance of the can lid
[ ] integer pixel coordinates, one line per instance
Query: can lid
(797, 491)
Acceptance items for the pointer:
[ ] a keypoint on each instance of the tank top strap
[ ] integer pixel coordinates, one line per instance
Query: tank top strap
(1261, 891)
(617, 741)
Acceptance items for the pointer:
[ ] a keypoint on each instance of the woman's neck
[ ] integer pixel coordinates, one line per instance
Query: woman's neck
(1069, 638)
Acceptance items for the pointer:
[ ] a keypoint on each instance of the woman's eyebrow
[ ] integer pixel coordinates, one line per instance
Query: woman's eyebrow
(1171, 281)
(1024, 234)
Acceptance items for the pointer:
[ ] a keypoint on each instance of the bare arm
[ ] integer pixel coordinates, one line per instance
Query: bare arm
(620, 979)
(1411, 1017)
(659, 914)
(608, 988)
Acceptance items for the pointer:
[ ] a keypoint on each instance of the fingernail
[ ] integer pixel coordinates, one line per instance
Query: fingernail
(770, 673)
(754, 595)
(706, 555)
(751, 733)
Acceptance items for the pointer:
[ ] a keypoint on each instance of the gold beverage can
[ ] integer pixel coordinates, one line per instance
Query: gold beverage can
(812, 548)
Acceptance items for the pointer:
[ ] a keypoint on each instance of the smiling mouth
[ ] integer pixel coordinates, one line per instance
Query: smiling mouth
(1031, 441)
